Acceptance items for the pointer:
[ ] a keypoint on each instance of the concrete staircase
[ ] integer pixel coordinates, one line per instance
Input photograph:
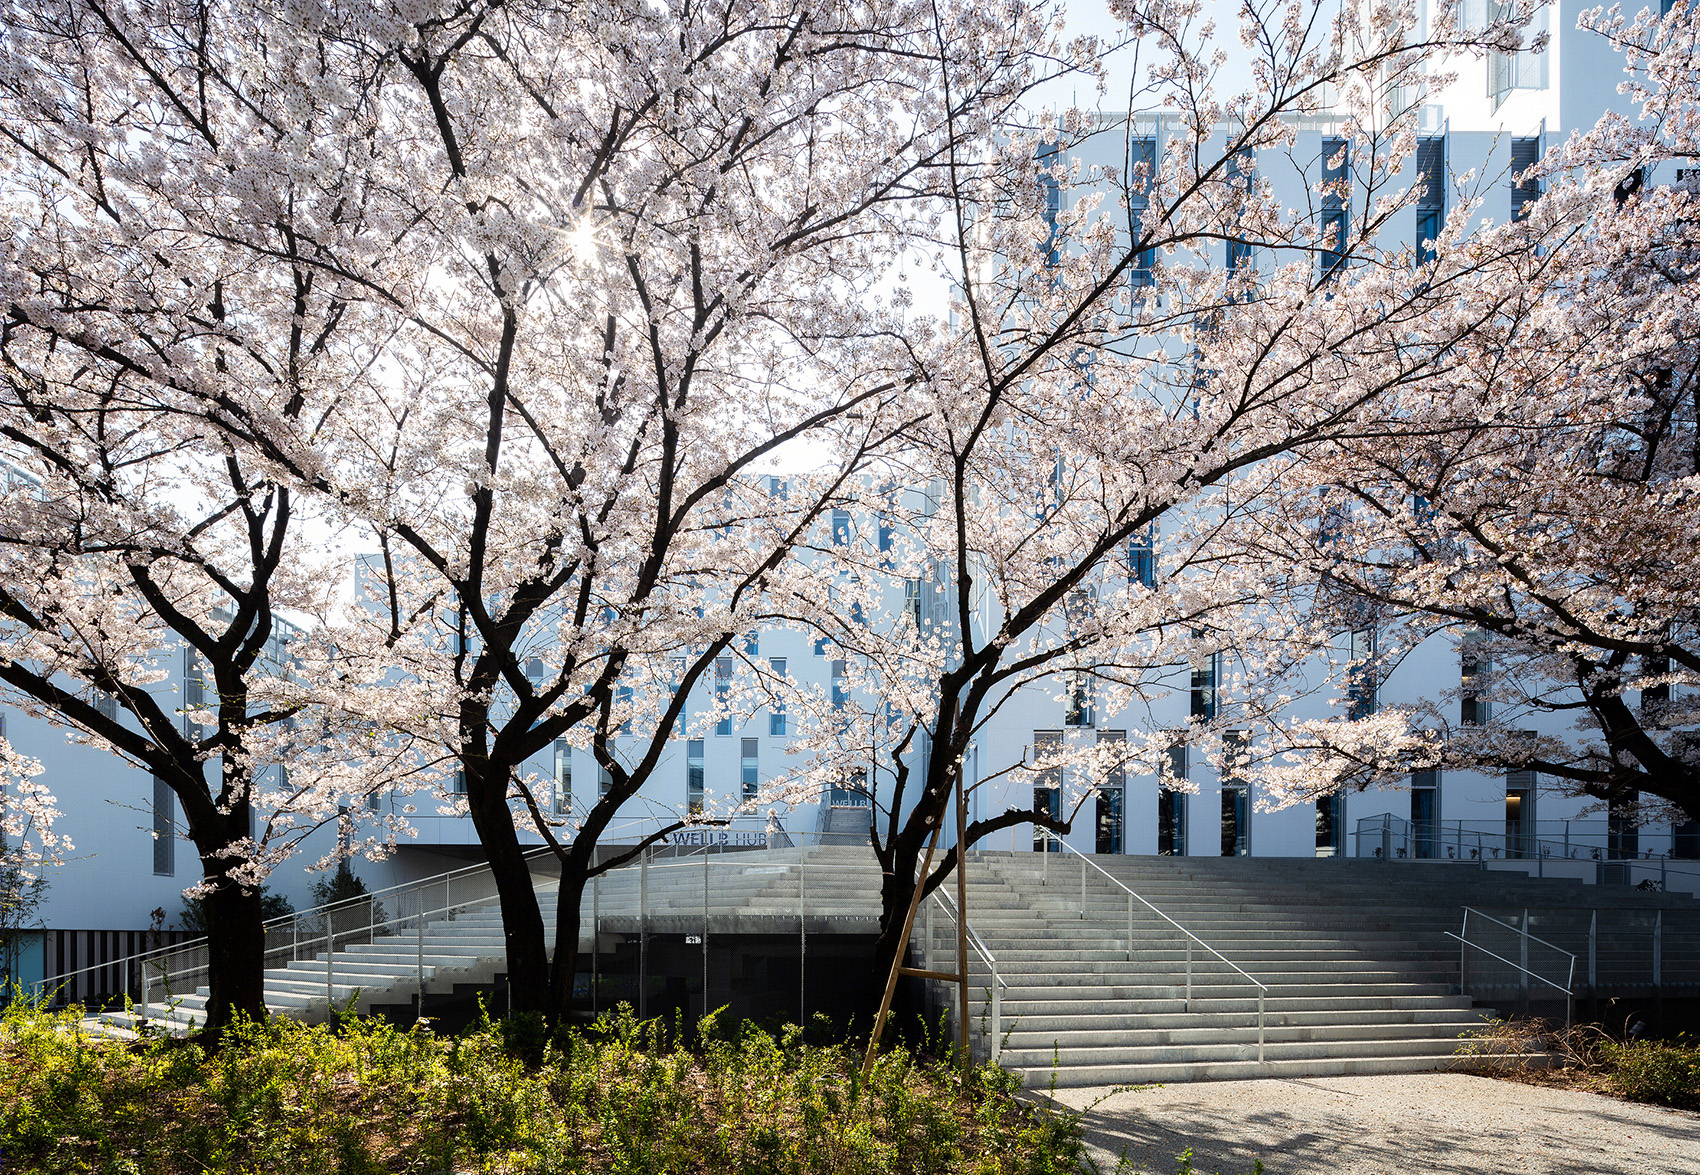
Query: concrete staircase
(466, 946)
(1357, 970)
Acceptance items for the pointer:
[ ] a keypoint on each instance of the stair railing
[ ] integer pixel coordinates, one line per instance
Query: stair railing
(1191, 938)
(1526, 973)
(995, 1011)
(177, 965)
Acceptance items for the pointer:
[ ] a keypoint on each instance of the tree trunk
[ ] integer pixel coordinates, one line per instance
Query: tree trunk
(236, 948)
(522, 917)
(564, 967)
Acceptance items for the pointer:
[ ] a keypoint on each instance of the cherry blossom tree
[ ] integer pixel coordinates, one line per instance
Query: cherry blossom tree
(163, 298)
(1110, 380)
(1546, 526)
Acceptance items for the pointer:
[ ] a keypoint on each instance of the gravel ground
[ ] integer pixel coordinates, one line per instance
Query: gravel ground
(1409, 1124)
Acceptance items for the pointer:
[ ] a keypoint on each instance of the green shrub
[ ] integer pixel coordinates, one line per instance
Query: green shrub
(1666, 1074)
(623, 1096)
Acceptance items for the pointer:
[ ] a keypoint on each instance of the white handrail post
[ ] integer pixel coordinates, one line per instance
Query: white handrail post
(1083, 888)
(927, 933)
(643, 934)
(1045, 864)
(419, 946)
(1260, 1026)
(330, 933)
(1523, 961)
(1189, 973)
(802, 943)
(1130, 926)
(996, 1047)
(1658, 948)
(1570, 992)
(1593, 952)
(1463, 945)
(705, 1003)
(144, 1005)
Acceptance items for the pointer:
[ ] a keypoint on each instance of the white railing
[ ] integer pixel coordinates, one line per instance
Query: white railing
(1521, 965)
(1191, 938)
(403, 915)
(350, 920)
(994, 1000)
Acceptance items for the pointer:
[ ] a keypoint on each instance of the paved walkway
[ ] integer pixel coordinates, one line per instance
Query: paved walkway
(1410, 1124)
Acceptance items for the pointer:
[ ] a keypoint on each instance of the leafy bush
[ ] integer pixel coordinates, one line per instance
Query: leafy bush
(624, 1096)
(1664, 1073)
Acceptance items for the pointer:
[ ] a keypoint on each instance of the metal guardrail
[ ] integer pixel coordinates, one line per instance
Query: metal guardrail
(1132, 896)
(172, 965)
(1526, 973)
(942, 901)
(1392, 838)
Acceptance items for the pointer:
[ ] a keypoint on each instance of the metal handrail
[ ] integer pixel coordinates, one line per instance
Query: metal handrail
(974, 939)
(995, 1011)
(1518, 966)
(283, 921)
(1085, 860)
(1523, 932)
(1520, 930)
(1262, 989)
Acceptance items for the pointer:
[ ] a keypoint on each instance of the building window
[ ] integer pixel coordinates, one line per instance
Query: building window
(105, 704)
(776, 716)
(820, 645)
(623, 703)
(1336, 205)
(693, 776)
(1051, 189)
(1171, 799)
(1330, 827)
(1047, 786)
(563, 776)
(840, 692)
(1112, 792)
(605, 777)
(1242, 174)
(1520, 809)
(1142, 558)
(747, 768)
(1521, 70)
(1474, 665)
(1425, 814)
(1623, 839)
(1360, 674)
(1236, 794)
(164, 829)
(723, 695)
(1431, 196)
(1078, 710)
(912, 601)
(840, 527)
(1141, 180)
(1204, 675)
(1525, 189)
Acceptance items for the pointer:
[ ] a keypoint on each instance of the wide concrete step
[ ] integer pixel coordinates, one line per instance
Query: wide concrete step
(1237, 1004)
(1274, 1017)
(1024, 1037)
(1076, 1075)
(1240, 1050)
